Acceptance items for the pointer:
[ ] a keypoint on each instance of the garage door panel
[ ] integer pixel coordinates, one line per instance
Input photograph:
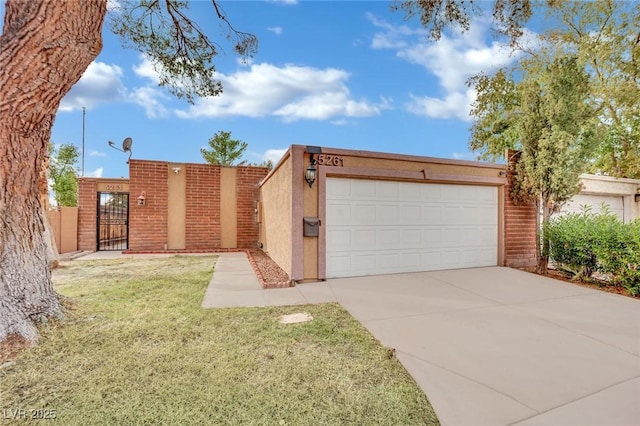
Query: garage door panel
(339, 213)
(614, 203)
(410, 191)
(339, 239)
(364, 239)
(411, 238)
(387, 215)
(400, 227)
(365, 214)
(431, 237)
(410, 214)
(432, 214)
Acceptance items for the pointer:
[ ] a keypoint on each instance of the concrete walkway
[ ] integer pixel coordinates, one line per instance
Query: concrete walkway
(234, 283)
(489, 346)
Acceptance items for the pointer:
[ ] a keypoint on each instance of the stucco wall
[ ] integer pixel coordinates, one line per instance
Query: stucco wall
(275, 214)
(610, 186)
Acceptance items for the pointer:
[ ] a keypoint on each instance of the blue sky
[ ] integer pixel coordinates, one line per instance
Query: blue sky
(347, 74)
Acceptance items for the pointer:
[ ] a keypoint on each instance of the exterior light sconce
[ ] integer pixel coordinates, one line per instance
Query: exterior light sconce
(311, 172)
(142, 198)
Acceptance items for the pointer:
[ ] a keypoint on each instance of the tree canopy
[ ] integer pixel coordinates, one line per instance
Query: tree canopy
(605, 44)
(63, 175)
(224, 150)
(179, 50)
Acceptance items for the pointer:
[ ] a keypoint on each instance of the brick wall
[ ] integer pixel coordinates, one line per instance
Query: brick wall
(247, 180)
(520, 225)
(87, 213)
(148, 223)
(203, 207)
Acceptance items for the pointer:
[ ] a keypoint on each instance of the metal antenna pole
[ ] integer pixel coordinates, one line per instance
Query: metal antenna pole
(83, 115)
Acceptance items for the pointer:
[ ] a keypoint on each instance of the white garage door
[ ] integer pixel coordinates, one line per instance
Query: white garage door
(381, 227)
(615, 204)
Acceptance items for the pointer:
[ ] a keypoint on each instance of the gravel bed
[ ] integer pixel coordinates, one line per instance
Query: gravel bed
(268, 271)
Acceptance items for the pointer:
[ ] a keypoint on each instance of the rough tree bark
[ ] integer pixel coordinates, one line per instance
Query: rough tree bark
(44, 49)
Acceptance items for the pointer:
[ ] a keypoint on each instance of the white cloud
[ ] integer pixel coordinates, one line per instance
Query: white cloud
(96, 173)
(291, 92)
(150, 98)
(453, 105)
(463, 156)
(452, 60)
(100, 83)
(146, 69)
(273, 154)
(93, 153)
(275, 30)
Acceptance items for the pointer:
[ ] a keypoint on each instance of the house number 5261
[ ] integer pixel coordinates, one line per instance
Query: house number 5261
(330, 160)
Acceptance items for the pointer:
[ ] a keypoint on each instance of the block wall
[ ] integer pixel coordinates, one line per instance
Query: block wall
(520, 224)
(87, 213)
(203, 207)
(148, 223)
(247, 180)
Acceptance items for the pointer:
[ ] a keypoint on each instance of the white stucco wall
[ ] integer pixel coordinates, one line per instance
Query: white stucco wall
(618, 194)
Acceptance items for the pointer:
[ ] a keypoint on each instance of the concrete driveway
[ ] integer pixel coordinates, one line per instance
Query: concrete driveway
(489, 346)
(498, 346)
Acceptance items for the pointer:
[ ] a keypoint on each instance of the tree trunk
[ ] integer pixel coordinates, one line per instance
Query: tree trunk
(45, 48)
(543, 241)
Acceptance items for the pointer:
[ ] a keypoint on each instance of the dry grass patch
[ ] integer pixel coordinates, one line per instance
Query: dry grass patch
(136, 348)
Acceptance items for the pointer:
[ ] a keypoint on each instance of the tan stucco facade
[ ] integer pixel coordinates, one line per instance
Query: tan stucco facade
(113, 185)
(177, 207)
(275, 212)
(228, 204)
(286, 196)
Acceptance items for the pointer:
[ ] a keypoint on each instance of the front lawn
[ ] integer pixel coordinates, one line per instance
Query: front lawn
(137, 348)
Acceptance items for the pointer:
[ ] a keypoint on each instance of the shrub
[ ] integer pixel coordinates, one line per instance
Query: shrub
(619, 256)
(583, 243)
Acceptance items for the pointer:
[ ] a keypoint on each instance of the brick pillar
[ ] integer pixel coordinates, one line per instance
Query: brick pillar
(148, 223)
(203, 207)
(87, 213)
(519, 223)
(247, 182)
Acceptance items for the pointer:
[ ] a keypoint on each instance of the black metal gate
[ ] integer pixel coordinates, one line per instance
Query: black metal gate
(113, 221)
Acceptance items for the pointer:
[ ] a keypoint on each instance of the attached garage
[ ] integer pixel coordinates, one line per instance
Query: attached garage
(380, 226)
(330, 213)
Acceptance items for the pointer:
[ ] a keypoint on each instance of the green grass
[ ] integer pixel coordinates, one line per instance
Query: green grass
(137, 348)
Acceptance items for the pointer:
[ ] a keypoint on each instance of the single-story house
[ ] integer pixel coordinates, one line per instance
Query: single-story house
(328, 212)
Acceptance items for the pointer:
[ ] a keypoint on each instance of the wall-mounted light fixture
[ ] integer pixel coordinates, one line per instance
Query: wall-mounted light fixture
(311, 172)
(176, 170)
(142, 198)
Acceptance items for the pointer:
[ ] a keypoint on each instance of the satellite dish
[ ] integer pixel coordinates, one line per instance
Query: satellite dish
(126, 144)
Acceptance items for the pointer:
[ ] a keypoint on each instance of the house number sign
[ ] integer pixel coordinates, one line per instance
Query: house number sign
(116, 187)
(330, 160)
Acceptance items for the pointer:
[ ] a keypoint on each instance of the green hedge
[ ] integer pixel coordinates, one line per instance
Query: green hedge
(585, 243)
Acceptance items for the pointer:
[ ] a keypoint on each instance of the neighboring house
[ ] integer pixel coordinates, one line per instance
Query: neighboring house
(621, 196)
